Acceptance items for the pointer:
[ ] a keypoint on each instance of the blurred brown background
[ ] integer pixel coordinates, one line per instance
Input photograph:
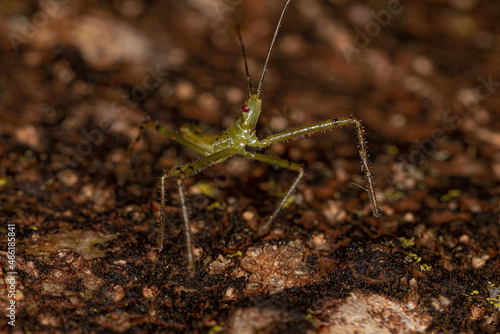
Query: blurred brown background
(78, 77)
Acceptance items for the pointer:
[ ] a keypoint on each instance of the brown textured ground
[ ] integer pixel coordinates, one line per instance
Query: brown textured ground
(78, 77)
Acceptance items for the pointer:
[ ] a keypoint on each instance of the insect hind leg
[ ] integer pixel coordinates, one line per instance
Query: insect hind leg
(169, 134)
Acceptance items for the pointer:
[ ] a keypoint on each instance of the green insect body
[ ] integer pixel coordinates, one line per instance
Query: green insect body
(235, 140)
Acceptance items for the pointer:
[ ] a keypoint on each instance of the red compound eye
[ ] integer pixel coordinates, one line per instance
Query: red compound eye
(245, 108)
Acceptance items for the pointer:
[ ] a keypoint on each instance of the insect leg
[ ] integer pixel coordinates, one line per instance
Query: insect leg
(181, 173)
(123, 174)
(170, 134)
(264, 229)
(326, 125)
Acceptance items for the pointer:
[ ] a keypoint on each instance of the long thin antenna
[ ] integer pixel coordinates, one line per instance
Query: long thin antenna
(271, 48)
(249, 81)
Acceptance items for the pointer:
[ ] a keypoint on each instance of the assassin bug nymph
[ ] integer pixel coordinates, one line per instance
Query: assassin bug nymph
(235, 140)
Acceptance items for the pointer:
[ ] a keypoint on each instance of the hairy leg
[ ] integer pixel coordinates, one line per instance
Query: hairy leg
(326, 125)
(170, 134)
(123, 173)
(264, 229)
(181, 173)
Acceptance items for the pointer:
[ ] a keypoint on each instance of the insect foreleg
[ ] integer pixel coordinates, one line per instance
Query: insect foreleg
(264, 229)
(326, 125)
